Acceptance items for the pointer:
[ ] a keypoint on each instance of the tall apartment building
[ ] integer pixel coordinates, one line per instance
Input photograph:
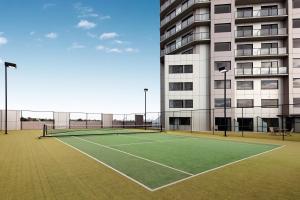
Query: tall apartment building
(258, 41)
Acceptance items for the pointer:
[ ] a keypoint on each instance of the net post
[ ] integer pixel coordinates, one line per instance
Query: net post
(44, 130)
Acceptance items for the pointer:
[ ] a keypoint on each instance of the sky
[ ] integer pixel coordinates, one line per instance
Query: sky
(87, 56)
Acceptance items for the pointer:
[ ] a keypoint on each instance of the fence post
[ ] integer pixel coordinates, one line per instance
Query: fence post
(242, 121)
(86, 120)
(213, 121)
(191, 121)
(21, 120)
(53, 119)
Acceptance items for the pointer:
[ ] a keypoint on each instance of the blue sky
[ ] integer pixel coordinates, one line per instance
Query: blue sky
(89, 55)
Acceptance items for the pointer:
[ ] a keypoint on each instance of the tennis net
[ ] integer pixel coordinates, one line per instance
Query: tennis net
(63, 131)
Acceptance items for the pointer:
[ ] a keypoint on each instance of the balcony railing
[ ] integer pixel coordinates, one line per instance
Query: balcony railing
(170, 2)
(261, 13)
(261, 71)
(185, 41)
(261, 33)
(179, 10)
(195, 18)
(261, 52)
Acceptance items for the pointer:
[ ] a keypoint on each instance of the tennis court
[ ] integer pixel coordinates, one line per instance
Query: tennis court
(156, 160)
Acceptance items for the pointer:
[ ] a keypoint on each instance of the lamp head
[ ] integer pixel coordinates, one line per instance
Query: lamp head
(146, 90)
(223, 69)
(7, 64)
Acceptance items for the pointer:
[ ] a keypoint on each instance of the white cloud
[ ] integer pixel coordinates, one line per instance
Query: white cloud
(131, 50)
(51, 35)
(119, 41)
(100, 47)
(48, 5)
(85, 11)
(32, 33)
(108, 36)
(1, 61)
(85, 24)
(114, 50)
(76, 45)
(105, 17)
(3, 40)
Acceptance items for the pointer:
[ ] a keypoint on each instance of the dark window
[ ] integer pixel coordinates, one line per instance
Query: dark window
(269, 103)
(296, 23)
(245, 31)
(219, 64)
(244, 85)
(219, 103)
(220, 123)
(296, 82)
(183, 121)
(181, 103)
(296, 43)
(269, 64)
(180, 69)
(223, 46)
(269, 29)
(296, 102)
(181, 86)
(269, 84)
(245, 103)
(245, 12)
(245, 49)
(296, 3)
(221, 28)
(245, 68)
(269, 10)
(219, 84)
(224, 8)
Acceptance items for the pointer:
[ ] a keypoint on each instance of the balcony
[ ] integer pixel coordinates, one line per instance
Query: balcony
(261, 53)
(261, 72)
(260, 15)
(196, 19)
(260, 34)
(187, 42)
(186, 6)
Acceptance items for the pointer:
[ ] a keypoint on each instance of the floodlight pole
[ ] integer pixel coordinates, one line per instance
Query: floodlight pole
(145, 121)
(5, 99)
(225, 118)
(7, 65)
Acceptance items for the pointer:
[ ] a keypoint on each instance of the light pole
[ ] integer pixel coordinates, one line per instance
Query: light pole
(145, 121)
(7, 65)
(224, 70)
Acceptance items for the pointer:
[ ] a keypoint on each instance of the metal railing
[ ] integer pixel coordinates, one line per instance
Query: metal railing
(170, 2)
(193, 19)
(184, 7)
(185, 41)
(261, 52)
(261, 32)
(259, 71)
(261, 13)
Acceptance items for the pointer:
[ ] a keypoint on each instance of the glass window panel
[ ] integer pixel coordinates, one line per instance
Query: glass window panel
(269, 84)
(269, 103)
(245, 103)
(244, 85)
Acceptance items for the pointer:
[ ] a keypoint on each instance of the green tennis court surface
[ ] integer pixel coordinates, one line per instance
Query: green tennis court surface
(156, 160)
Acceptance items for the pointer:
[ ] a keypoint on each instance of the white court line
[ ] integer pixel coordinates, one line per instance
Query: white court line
(137, 182)
(124, 152)
(204, 172)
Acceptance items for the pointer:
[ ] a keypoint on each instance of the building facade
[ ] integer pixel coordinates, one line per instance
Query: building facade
(258, 41)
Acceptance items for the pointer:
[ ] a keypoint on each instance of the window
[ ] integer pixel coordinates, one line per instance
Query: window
(181, 103)
(224, 8)
(269, 84)
(296, 43)
(219, 103)
(269, 10)
(187, 38)
(180, 69)
(223, 46)
(183, 121)
(219, 64)
(245, 49)
(296, 82)
(171, 30)
(244, 85)
(245, 12)
(245, 103)
(219, 84)
(296, 23)
(181, 86)
(269, 64)
(269, 103)
(296, 3)
(245, 31)
(269, 29)
(296, 62)
(296, 102)
(222, 28)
